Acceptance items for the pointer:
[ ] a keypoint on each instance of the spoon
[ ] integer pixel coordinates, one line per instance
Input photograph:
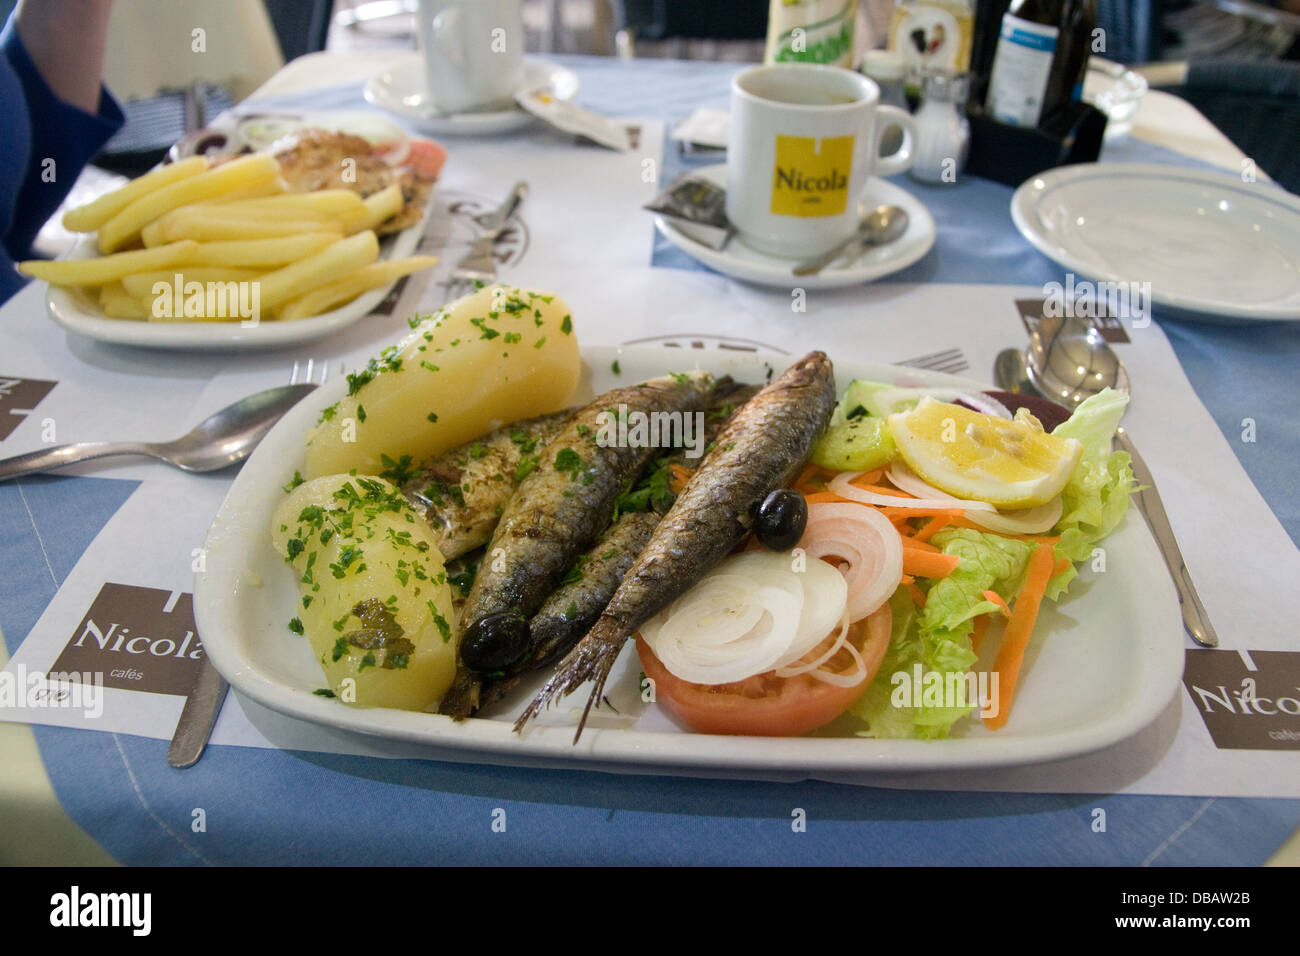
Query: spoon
(218, 441)
(882, 225)
(1068, 360)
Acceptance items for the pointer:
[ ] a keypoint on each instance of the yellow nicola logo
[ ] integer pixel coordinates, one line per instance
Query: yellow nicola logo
(811, 177)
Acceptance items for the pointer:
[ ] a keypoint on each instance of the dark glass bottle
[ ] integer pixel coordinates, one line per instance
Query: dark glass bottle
(984, 44)
(1078, 20)
(1021, 87)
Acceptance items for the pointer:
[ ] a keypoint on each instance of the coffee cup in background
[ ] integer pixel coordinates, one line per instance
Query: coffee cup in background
(473, 53)
(804, 144)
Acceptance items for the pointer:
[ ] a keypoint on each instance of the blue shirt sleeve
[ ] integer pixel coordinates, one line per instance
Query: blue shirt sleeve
(49, 143)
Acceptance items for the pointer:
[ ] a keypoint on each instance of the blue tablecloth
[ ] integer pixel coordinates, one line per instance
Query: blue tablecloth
(286, 807)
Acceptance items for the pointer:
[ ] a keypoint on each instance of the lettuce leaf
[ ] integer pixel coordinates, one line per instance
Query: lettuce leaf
(1097, 495)
(939, 637)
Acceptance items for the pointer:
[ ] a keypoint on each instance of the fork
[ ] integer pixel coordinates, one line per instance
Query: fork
(950, 361)
(305, 372)
(478, 267)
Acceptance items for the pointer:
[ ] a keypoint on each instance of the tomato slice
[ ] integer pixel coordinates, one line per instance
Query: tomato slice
(766, 705)
(426, 158)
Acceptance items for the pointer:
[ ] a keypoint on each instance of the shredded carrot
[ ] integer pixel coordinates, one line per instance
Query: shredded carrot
(935, 524)
(1062, 565)
(917, 595)
(924, 564)
(814, 497)
(996, 598)
(960, 521)
(679, 477)
(869, 477)
(891, 513)
(910, 542)
(881, 489)
(907, 579)
(977, 635)
(1015, 639)
(806, 475)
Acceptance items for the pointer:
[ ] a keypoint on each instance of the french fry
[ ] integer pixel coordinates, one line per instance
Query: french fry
(140, 285)
(237, 174)
(152, 235)
(91, 216)
(117, 303)
(350, 286)
(214, 229)
(109, 268)
(322, 204)
(270, 187)
(263, 253)
(344, 256)
(378, 206)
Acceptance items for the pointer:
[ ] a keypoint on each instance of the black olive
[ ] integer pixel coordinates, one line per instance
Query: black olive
(494, 642)
(780, 520)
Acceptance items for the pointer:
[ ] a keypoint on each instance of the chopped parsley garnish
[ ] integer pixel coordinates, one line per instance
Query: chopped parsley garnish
(615, 369)
(294, 482)
(568, 460)
(526, 466)
(398, 472)
(324, 692)
(295, 625)
(432, 417)
(463, 581)
(566, 324)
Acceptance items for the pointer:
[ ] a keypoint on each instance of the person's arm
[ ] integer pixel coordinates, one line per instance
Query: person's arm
(65, 39)
(54, 137)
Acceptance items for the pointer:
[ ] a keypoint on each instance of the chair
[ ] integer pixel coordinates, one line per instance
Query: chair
(1256, 104)
(1132, 30)
(741, 24)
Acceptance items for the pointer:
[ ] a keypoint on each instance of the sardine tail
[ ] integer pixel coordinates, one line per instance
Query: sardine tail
(591, 660)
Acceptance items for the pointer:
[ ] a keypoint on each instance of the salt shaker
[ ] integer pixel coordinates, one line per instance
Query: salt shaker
(942, 130)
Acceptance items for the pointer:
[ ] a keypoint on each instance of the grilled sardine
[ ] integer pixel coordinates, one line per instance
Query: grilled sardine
(462, 492)
(559, 510)
(760, 450)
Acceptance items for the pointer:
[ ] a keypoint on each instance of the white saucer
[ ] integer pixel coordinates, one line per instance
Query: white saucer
(741, 262)
(1208, 243)
(400, 90)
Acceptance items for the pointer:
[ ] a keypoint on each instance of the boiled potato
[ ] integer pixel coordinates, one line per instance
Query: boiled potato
(373, 596)
(496, 356)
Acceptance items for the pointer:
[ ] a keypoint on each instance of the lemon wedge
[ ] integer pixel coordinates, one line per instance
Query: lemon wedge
(1010, 464)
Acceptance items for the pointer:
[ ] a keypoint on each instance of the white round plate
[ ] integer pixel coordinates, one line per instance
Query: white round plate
(77, 311)
(400, 90)
(1208, 243)
(741, 262)
(1103, 664)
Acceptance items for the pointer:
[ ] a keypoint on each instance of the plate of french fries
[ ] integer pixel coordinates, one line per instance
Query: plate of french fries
(225, 253)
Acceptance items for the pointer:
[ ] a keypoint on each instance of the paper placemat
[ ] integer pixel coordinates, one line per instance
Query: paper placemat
(1241, 558)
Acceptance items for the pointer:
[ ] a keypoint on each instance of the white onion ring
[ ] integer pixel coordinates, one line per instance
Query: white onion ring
(842, 485)
(863, 538)
(984, 404)
(794, 669)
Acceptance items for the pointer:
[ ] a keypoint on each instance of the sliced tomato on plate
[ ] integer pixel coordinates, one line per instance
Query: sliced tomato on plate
(426, 158)
(766, 705)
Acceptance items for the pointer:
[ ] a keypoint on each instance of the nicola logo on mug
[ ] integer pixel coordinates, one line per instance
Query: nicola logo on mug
(811, 177)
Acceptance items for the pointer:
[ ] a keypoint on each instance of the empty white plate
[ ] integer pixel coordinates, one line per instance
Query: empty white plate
(741, 262)
(1208, 243)
(400, 90)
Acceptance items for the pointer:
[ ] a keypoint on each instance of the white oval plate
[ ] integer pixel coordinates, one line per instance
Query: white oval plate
(1207, 242)
(400, 90)
(76, 311)
(1101, 667)
(749, 265)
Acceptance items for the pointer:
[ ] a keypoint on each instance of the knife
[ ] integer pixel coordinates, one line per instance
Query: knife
(1195, 619)
(198, 716)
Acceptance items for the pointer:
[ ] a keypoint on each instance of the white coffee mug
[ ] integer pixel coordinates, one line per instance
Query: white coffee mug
(804, 144)
(473, 53)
